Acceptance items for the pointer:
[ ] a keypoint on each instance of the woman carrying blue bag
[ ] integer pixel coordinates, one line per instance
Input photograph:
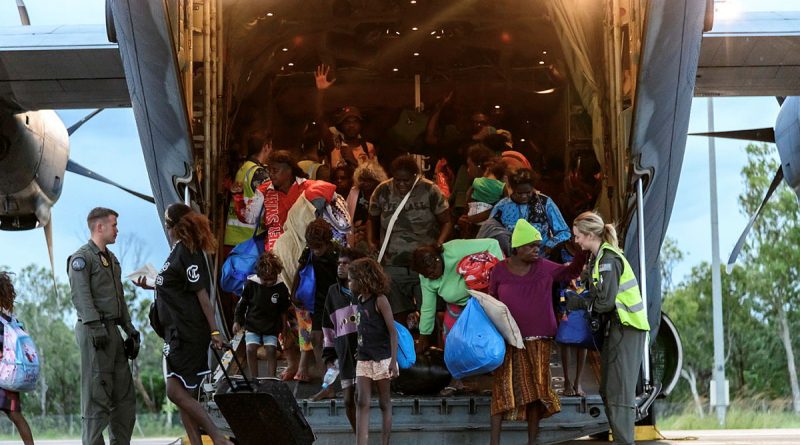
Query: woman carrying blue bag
(524, 282)
(10, 400)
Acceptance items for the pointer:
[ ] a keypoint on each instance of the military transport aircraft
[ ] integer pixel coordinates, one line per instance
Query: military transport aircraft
(202, 75)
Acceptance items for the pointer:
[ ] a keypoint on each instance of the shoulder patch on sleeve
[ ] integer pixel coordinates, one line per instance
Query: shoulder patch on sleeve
(78, 264)
(604, 267)
(192, 273)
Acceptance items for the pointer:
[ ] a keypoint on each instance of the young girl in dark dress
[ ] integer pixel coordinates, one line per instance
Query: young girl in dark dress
(9, 400)
(377, 344)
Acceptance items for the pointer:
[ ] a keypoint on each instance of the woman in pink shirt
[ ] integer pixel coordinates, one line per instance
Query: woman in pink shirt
(524, 282)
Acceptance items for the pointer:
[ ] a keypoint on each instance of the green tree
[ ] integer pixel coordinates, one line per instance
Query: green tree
(771, 257)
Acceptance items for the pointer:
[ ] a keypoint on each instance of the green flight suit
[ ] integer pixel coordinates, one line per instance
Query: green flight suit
(107, 391)
(621, 357)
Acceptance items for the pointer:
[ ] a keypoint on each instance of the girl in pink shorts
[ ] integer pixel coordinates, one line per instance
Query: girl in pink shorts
(377, 344)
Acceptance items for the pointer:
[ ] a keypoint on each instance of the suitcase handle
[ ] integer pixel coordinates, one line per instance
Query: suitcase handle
(235, 387)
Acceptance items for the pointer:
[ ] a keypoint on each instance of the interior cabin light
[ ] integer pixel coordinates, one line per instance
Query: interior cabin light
(290, 64)
(522, 139)
(285, 49)
(395, 69)
(544, 53)
(497, 107)
(438, 37)
(413, 2)
(541, 62)
(269, 14)
(416, 54)
(414, 28)
(547, 91)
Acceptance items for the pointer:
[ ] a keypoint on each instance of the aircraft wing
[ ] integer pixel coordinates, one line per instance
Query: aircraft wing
(738, 57)
(60, 67)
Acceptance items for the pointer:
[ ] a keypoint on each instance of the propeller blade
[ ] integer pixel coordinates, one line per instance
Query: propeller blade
(86, 118)
(76, 168)
(756, 134)
(48, 237)
(740, 243)
(23, 13)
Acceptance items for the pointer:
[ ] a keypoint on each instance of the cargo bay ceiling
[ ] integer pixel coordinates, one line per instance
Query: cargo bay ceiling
(488, 51)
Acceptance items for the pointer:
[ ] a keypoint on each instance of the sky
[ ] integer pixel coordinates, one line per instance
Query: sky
(109, 145)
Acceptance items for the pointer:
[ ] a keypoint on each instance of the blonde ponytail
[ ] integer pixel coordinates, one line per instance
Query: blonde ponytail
(610, 235)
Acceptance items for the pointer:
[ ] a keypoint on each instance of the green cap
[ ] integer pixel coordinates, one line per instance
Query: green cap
(524, 233)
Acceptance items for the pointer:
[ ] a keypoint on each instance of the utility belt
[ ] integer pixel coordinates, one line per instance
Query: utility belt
(107, 321)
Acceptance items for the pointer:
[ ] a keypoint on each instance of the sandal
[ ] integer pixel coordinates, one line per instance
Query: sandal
(449, 391)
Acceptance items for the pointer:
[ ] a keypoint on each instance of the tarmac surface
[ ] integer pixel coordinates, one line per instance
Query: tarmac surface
(710, 437)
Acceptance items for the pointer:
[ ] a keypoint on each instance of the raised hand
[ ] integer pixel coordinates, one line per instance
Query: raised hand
(321, 77)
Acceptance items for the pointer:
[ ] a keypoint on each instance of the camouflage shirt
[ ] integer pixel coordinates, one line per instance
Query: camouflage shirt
(416, 225)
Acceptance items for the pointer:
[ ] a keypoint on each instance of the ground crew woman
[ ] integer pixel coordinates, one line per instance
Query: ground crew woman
(107, 394)
(615, 292)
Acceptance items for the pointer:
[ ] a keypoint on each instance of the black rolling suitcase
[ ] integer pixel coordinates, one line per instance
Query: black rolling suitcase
(260, 412)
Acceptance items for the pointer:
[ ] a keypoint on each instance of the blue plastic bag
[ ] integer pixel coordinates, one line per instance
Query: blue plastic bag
(307, 286)
(240, 264)
(473, 346)
(406, 355)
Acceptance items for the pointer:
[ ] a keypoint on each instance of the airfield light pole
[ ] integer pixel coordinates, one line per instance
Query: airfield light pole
(719, 386)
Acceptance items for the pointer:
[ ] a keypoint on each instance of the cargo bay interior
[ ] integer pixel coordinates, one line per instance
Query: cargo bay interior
(560, 80)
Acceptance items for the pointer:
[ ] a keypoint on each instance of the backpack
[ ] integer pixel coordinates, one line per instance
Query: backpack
(241, 262)
(19, 366)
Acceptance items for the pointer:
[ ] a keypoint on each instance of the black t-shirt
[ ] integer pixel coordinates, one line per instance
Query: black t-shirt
(362, 209)
(179, 311)
(261, 307)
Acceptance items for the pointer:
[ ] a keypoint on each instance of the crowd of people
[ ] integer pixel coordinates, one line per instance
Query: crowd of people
(351, 250)
(407, 245)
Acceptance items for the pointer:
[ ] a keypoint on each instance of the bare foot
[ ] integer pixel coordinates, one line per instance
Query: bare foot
(327, 393)
(222, 440)
(288, 374)
(302, 376)
(579, 391)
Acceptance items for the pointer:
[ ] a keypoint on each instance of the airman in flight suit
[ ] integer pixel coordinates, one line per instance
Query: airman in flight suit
(107, 391)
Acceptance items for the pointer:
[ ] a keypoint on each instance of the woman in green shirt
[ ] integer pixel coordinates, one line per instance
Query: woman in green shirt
(439, 277)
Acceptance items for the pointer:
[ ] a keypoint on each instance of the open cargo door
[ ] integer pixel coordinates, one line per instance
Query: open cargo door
(151, 70)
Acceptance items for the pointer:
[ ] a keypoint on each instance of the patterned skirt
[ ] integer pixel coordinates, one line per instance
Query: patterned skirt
(522, 379)
(9, 401)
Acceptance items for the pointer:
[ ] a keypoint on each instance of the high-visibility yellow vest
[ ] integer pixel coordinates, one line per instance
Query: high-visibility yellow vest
(628, 301)
(235, 230)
